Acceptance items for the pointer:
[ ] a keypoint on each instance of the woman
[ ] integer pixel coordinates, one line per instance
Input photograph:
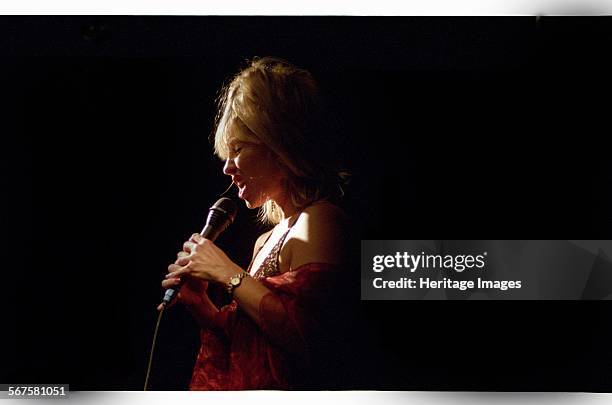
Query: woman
(274, 333)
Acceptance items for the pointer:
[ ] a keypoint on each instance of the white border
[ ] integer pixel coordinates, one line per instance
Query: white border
(310, 7)
(326, 397)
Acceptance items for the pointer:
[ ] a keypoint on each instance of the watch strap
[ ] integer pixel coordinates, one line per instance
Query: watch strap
(234, 281)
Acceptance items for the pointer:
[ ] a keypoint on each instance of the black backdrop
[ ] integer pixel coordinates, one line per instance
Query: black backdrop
(455, 128)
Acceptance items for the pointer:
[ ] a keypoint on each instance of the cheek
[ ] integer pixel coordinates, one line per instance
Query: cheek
(264, 175)
(271, 169)
(241, 162)
(257, 164)
(247, 165)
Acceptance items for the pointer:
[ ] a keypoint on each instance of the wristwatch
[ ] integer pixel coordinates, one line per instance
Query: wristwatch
(235, 281)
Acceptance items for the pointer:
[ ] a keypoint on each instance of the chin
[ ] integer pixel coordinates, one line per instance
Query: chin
(252, 204)
(253, 200)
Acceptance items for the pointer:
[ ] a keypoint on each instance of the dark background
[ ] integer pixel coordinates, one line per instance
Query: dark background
(455, 128)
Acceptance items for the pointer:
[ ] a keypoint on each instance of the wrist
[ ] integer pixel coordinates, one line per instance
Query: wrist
(228, 273)
(235, 281)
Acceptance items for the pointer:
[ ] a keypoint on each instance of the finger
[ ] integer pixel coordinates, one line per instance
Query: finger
(203, 241)
(179, 273)
(183, 261)
(171, 283)
(182, 253)
(189, 246)
(174, 267)
(195, 237)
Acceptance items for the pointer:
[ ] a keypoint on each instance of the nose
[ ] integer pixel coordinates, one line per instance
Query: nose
(229, 168)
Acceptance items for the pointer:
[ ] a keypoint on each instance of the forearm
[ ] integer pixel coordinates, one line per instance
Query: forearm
(249, 295)
(271, 314)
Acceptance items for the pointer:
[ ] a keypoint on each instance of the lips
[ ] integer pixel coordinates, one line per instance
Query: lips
(238, 181)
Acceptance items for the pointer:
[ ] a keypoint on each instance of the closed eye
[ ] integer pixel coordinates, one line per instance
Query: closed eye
(234, 149)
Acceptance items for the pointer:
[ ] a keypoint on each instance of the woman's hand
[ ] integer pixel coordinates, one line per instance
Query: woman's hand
(192, 293)
(203, 261)
(191, 290)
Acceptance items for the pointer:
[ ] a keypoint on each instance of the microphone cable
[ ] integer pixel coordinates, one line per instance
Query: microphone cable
(227, 190)
(159, 317)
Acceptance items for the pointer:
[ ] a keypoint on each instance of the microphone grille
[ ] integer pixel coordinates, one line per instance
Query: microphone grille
(227, 206)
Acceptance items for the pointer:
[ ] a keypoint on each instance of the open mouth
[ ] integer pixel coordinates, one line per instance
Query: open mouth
(240, 185)
(237, 181)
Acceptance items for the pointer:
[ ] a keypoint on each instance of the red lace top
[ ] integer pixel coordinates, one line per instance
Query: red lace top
(237, 354)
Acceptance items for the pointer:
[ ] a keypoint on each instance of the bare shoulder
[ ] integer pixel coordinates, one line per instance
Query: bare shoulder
(319, 235)
(327, 211)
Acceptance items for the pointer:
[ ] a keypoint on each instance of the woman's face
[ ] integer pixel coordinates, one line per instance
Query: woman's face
(254, 170)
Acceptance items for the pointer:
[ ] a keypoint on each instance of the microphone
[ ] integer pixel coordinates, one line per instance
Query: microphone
(220, 215)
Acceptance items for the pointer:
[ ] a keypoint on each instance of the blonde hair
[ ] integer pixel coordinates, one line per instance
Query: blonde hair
(281, 107)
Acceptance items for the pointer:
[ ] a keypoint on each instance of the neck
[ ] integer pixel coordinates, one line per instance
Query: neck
(286, 206)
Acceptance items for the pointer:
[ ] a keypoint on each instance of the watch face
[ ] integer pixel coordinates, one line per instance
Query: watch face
(235, 281)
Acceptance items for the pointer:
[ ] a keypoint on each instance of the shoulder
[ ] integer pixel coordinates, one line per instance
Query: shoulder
(322, 217)
(318, 236)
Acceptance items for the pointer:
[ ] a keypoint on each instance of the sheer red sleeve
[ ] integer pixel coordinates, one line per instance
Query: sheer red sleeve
(240, 353)
(291, 313)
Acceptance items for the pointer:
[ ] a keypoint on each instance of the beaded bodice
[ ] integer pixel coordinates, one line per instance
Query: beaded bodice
(270, 265)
